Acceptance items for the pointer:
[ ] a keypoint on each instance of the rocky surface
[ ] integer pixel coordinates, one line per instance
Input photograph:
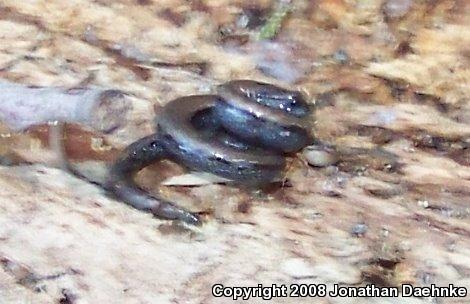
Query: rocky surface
(387, 202)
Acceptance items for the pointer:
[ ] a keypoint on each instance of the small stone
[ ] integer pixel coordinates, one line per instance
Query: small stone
(319, 157)
(423, 203)
(341, 56)
(359, 229)
(385, 232)
(242, 21)
(397, 8)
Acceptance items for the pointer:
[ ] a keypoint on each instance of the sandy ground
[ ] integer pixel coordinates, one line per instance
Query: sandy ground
(390, 80)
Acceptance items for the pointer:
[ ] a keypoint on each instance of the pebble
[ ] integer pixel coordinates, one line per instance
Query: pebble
(341, 56)
(397, 8)
(359, 229)
(319, 157)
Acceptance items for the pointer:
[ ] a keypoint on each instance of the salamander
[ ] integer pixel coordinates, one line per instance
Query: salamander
(240, 133)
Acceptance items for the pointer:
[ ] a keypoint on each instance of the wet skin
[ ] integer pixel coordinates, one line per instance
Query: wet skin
(241, 134)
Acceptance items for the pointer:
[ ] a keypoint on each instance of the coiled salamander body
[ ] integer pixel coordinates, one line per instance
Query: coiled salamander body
(242, 134)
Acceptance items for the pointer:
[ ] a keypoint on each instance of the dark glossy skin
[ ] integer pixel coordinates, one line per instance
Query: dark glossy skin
(240, 134)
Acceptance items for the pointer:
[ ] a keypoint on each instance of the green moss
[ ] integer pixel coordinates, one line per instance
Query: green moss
(273, 25)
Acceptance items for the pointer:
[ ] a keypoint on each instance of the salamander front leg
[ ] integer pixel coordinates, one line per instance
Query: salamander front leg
(121, 183)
